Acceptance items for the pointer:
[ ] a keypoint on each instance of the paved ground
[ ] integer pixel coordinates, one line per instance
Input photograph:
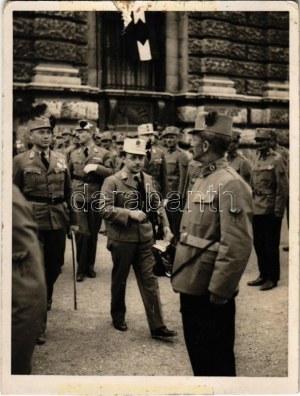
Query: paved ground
(83, 342)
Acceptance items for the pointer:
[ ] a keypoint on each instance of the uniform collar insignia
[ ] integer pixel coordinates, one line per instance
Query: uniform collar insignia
(124, 175)
(79, 150)
(96, 150)
(31, 156)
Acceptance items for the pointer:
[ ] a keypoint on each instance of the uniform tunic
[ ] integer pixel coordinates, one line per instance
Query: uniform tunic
(270, 191)
(119, 194)
(86, 194)
(218, 209)
(49, 193)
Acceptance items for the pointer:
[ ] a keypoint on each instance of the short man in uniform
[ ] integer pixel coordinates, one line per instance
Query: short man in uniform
(155, 162)
(270, 190)
(236, 159)
(89, 165)
(43, 178)
(213, 250)
(177, 164)
(127, 200)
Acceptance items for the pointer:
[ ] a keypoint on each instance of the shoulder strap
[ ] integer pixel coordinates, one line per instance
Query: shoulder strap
(192, 259)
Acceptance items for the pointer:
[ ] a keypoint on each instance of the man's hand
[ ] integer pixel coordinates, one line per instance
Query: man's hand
(167, 234)
(90, 168)
(72, 228)
(137, 215)
(217, 300)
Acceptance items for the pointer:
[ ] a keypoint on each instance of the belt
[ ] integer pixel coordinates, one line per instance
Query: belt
(48, 200)
(173, 177)
(191, 240)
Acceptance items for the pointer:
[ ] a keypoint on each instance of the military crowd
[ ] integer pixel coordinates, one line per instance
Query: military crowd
(206, 199)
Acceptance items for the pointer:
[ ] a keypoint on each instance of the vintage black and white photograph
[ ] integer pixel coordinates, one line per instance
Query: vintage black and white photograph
(150, 217)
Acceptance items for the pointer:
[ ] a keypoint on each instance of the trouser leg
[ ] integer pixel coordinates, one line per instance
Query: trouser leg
(259, 241)
(148, 285)
(273, 230)
(94, 221)
(209, 333)
(122, 256)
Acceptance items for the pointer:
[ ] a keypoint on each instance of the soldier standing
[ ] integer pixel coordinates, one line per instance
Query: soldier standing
(236, 159)
(177, 164)
(43, 177)
(155, 162)
(89, 165)
(270, 190)
(214, 247)
(130, 236)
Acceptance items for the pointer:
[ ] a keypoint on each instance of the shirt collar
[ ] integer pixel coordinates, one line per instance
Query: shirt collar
(213, 166)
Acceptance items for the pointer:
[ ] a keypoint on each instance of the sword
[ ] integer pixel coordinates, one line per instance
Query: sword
(74, 267)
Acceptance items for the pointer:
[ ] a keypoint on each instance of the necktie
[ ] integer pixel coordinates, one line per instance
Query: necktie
(142, 193)
(86, 152)
(44, 159)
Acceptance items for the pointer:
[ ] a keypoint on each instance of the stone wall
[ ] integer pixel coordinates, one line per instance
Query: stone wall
(51, 37)
(250, 47)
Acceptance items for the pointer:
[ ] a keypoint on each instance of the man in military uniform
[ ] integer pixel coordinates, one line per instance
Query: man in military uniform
(270, 190)
(89, 165)
(43, 177)
(236, 159)
(193, 172)
(128, 199)
(214, 247)
(177, 164)
(119, 160)
(28, 285)
(155, 163)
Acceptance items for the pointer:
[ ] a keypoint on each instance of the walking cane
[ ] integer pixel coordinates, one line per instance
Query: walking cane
(74, 267)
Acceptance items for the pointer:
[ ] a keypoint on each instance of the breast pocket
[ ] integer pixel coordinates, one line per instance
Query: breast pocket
(59, 175)
(204, 208)
(32, 176)
(263, 177)
(78, 168)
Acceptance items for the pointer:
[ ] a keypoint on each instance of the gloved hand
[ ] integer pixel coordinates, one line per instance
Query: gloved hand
(217, 300)
(90, 168)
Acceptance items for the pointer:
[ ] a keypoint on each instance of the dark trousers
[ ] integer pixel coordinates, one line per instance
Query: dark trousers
(139, 255)
(53, 245)
(174, 217)
(209, 332)
(266, 235)
(86, 239)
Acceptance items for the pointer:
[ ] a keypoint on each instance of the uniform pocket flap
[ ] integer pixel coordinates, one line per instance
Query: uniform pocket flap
(33, 170)
(58, 169)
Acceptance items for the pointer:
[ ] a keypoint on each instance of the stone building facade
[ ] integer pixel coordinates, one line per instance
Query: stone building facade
(72, 65)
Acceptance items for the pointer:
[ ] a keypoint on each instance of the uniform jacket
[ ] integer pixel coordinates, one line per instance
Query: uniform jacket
(33, 179)
(89, 186)
(118, 198)
(177, 162)
(241, 165)
(285, 155)
(218, 209)
(157, 168)
(28, 284)
(269, 183)
(193, 172)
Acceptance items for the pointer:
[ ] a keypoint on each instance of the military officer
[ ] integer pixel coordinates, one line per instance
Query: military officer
(236, 159)
(155, 163)
(214, 247)
(89, 165)
(269, 183)
(129, 230)
(177, 163)
(43, 178)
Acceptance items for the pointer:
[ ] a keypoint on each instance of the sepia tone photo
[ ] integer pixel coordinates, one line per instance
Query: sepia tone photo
(150, 198)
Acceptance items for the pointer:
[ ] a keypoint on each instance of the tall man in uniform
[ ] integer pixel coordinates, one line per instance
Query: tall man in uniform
(177, 164)
(270, 191)
(128, 202)
(236, 159)
(214, 247)
(89, 165)
(43, 177)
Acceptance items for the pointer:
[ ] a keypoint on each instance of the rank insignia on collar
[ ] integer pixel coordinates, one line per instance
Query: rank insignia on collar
(124, 175)
(212, 167)
(96, 150)
(31, 154)
(60, 165)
